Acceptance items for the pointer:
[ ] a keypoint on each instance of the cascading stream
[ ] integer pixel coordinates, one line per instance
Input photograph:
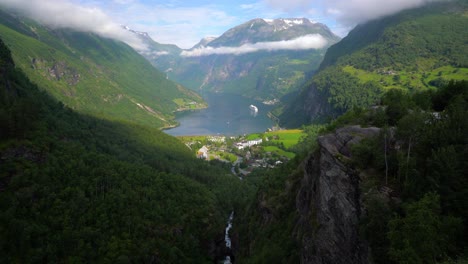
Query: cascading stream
(227, 238)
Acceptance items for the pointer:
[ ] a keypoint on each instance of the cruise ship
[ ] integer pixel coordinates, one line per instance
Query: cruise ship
(253, 108)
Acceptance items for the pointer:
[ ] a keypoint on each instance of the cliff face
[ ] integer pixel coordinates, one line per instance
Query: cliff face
(328, 202)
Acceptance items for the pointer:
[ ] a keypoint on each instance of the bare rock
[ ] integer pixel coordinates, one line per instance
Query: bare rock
(329, 202)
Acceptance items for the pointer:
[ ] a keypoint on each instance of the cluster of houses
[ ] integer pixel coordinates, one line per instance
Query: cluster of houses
(202, 153)
(217, 139)
(249, 143)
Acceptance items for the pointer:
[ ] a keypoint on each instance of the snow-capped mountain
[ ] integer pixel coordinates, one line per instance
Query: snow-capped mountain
(262, 58)
(261, 30)
(154, 49)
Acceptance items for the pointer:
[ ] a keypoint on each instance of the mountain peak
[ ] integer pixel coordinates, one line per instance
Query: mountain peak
(289, 21)
(204, 42)
(267, 30)
(141, 33)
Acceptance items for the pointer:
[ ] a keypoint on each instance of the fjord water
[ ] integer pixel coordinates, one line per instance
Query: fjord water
(227, 114)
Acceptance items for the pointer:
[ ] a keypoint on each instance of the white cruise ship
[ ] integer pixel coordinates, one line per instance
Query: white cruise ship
(253, 108)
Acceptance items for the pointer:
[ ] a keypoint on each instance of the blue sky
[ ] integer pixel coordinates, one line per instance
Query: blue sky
(184, 23)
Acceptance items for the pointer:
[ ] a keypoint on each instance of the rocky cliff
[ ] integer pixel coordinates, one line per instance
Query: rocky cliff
(328, 201)
(310, 213)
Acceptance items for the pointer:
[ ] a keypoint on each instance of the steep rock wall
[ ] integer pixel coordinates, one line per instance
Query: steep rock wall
(328, 202)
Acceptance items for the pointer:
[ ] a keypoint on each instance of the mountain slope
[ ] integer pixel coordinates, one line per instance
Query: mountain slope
(74, 188)
(94, 75)
(414, 50)
(222, 64)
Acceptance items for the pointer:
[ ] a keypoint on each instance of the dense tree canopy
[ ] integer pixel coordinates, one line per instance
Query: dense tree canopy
(77, 189)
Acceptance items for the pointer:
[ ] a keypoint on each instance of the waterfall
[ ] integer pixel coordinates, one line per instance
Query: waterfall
(227, 239)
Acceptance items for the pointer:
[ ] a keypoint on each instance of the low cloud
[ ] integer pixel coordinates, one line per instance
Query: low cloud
(155, 53)
(348, 13)
(64, 14)
(359, 11)
(312, 41)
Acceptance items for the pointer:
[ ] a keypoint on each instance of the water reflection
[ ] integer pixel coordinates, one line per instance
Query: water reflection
(253, 113)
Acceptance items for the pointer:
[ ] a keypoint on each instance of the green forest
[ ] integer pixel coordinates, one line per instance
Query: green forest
(87, 176)
(420, 155)
(77, 189)
(414, 50)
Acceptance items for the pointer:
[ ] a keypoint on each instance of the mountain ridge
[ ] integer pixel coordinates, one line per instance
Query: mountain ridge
(98, 76)
(253, 59)
(263, 30)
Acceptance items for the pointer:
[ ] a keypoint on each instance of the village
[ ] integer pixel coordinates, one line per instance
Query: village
(247, 152)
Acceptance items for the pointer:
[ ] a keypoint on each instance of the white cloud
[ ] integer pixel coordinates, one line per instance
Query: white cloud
(123, 2)
(173, 23)
(177, 22)
(64, 14)
(343, 15)
(156, 53)
(289, 5)
(247, 6)
(312, 41)
(358, 11)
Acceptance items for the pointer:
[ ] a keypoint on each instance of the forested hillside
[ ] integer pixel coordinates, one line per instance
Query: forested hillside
(381, 185)
(414, 50)
(74, 188)
(386, 180)
(95, 75)
(86, 175)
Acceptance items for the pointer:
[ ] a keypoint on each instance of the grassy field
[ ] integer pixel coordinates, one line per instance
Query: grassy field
(410, 79)
(254, 136)
(226, 156)
(187, 139)
(278, 151)
(289, 138)
(187, 104)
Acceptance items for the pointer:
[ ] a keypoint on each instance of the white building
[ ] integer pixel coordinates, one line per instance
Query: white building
(202, 153)
(218, 139)
(244, 144)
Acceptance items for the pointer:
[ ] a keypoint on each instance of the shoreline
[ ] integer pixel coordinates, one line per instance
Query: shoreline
(212, 123)
(178, 111)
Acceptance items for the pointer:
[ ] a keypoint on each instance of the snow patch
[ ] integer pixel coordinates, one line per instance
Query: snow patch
(293, 22)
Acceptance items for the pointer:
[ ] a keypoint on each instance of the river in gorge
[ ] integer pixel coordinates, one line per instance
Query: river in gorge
(227, 114)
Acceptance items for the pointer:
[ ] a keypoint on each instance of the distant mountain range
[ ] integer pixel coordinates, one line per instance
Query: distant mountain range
(95, 75)
(263, 59)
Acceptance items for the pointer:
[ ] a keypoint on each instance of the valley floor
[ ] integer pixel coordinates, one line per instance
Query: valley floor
(246, 153)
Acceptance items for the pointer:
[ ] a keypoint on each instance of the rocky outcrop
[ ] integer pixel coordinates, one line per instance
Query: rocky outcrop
(328, 202)
(57, 70)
